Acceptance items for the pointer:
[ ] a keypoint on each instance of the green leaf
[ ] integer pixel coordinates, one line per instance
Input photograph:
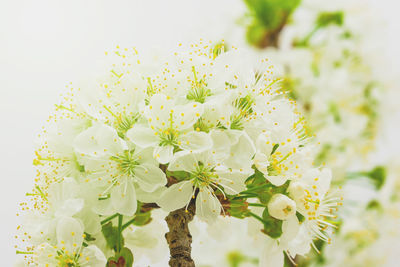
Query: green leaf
(374, 204)
(268, 17)
(326, 18)
(271, 13)
(378, 175)
(300, 217)
(255, 33)
(334, 110)
(237, 259)
(272, 226)
(111, 235)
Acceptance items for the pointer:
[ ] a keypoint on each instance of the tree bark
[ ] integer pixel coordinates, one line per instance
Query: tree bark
(179, 238)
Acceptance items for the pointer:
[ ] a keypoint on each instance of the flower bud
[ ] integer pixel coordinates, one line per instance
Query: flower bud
(297, 191)
(281, 207)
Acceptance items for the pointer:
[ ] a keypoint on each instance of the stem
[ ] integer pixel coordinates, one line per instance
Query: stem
(306, 39)
(128, 223)
(24, 252)
(257, 217)
(179, 238)
(119, 239)
(109, 218)
(246, 196)
(256, 205)
(251, 190)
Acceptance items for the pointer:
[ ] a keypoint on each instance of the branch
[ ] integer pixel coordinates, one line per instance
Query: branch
(271, 37)
(179, 238)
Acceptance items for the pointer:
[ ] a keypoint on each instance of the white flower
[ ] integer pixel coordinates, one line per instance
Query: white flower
(314, 202)
(62, 200)
(281, 207)
(206, 175)
(55, 156)
(233, 148)
(206, 121)
(114, 100)
(170, 127)
(280, 156)
(117, 168)
(69, 250)
(222, 242)
(146, 242)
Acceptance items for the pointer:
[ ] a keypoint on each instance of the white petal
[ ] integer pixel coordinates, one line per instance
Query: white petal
(218, 109)
(163, 154)
(241, 153)
(187, 115)
(46, 254)
(145, 155)
(325, 183)
(149, 197)
(150, 177)
(176, 196)
(123, 198)
(321, 179)
(92, 256)
(141, 238)
(158, 111)
(261, 161)
(59, 192)
(272, 255)
(290, 228)
(206, 157)
(221, 143)
(104, 207)
(88, 99)
(142, 136)
(207, 205)
(183, 161)
(239, 71)
(69, 233)
(196, 141)
(90, 220)
(129, 91)
(232, 181)
(302, 243)
(264, 144)
(70, 207)
(99, 140)
(277, 180)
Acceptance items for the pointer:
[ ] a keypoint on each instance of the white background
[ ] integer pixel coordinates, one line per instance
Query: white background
(44, 44)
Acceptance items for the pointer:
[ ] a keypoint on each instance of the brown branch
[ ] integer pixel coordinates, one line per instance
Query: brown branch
(179, 238)
(271, 37)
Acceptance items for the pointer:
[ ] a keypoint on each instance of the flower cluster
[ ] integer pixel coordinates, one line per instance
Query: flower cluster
(203, 128)
(328, 65)
(372, 240)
